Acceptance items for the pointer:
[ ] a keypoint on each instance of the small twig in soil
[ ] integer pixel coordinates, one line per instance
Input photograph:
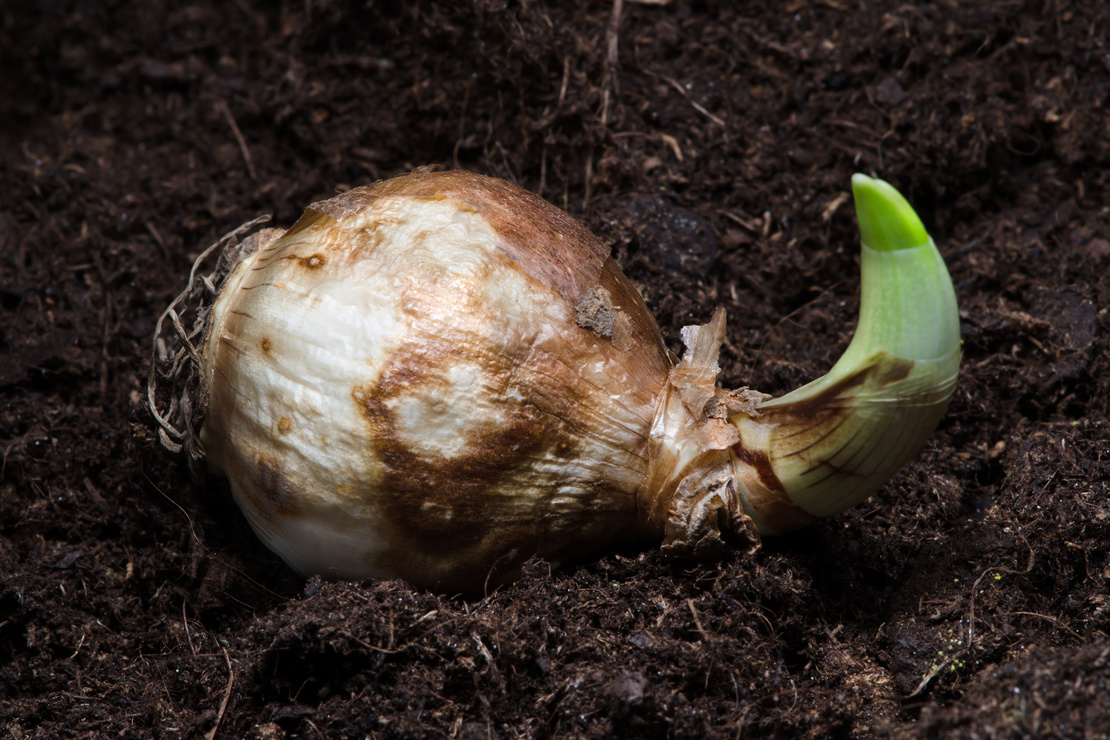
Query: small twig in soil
(1054, 620)
(375, 648)
(188, 634)
(693, 103)
(609, 84)
(239, 137)
(78, 648)
(227, 695)
(697, 620)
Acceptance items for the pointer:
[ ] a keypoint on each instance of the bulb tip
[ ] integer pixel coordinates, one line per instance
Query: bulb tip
(887, 222)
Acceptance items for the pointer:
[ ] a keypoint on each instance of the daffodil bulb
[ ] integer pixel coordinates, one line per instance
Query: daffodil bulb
(441, 375)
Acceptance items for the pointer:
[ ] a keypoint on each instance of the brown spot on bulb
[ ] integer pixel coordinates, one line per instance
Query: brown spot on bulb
(266, 345)
(313, 262)
(284, 424)
(445, 498)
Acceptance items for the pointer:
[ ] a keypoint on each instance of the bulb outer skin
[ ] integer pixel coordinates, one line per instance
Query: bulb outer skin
(435, 378)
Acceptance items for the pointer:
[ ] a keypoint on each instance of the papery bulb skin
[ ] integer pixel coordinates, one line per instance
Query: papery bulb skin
(435, 378)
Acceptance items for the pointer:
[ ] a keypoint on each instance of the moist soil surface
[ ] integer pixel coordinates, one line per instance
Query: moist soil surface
(711, 146)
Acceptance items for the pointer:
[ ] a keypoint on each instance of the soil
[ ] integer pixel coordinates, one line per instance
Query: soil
(711, 145)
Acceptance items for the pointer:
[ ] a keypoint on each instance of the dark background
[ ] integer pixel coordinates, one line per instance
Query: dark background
(713, 151)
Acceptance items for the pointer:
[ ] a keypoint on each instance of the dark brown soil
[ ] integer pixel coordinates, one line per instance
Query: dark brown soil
(969, 598)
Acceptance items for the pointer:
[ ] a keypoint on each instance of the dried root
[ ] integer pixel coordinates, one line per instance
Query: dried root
(176, 390)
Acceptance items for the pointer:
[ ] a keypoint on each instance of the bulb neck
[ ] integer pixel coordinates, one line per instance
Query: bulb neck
(690, 497)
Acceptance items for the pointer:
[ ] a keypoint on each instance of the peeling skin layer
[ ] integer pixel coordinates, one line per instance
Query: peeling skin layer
(399, 387)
